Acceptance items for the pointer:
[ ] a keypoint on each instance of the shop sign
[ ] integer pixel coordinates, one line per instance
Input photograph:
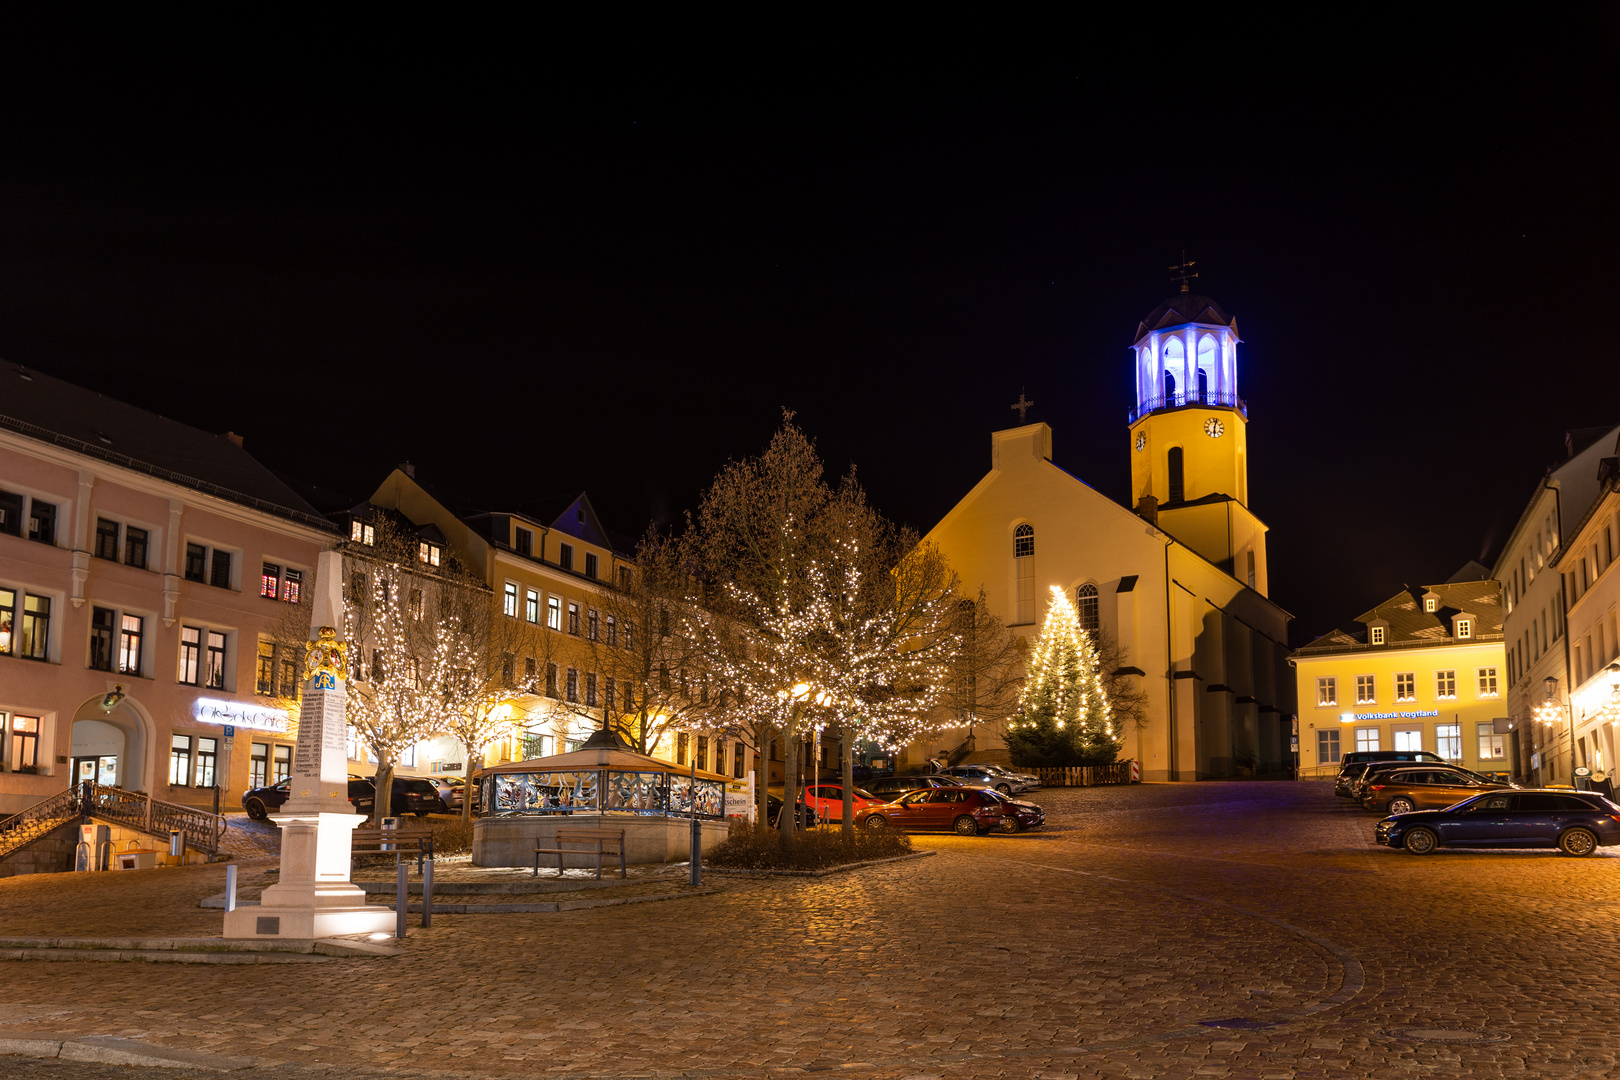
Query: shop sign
(1409, 714)
(235, 714)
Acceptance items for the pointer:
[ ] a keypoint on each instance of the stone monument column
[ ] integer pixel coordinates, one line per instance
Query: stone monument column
(314, 897)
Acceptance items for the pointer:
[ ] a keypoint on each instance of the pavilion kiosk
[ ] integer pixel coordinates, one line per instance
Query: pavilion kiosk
(603, 784)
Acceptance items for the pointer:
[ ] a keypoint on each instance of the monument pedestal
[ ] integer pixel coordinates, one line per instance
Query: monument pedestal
(314, 898)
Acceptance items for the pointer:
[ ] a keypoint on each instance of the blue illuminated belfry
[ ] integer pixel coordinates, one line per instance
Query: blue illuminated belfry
(1186, 354)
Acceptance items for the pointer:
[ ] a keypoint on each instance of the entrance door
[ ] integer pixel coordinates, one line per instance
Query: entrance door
(103, 769)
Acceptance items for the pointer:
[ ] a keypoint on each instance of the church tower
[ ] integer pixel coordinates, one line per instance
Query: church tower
(1189, 436)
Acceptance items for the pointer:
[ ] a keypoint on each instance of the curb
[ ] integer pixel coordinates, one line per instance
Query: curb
(191, 950)
(815, 873)
(555, 906)
(162, 956)
(115, 1050)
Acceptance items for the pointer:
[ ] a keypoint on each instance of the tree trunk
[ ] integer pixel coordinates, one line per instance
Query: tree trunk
(468, 793)
(790, 783)
(846, 755)
(762, 773)
(384, 779)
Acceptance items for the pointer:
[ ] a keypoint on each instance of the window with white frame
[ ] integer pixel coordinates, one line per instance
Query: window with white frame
(1366, 739)
(553, 613)
(190, 654)
(131, 637)
(1448, 741)
(259, 765)
(593, 625)
(362, 533)
(207, 755)
(1492, 747)
(1327, 690)
(1487, 682)
(214, 671)
(1406, 686)
(573, 618)
(1408, 738)
(429, 553)
(1431, 604)
(1086, 606)
(180, 760)
(1445, 685)
(24, 748)
(510, 604)
(1327, 747)
(1364, 690)
(1465, 628)
(25, 624)
(281, 764)
(1377, 633)
(531, 605)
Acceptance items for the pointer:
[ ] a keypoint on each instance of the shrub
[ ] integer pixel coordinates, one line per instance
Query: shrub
(452, 837)
(751, 846)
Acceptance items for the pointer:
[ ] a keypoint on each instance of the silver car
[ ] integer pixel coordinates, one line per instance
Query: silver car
(1027, 778)
(989, 777)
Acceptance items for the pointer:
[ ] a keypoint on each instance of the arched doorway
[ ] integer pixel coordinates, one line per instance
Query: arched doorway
(110, 746)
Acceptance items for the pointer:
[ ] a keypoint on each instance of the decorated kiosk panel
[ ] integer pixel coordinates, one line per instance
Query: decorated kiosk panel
(602, 783)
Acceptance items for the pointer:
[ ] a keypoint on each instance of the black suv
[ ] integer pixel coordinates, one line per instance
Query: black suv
(411, 795)
(260, 802)
(1353, 764)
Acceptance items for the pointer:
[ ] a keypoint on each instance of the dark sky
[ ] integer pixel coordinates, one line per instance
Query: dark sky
(533, 261)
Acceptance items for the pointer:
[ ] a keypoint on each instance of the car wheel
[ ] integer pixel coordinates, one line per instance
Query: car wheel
(966, 826)
(1005, 789)
(255, 810)
(877, 821)
(1400, 804)
(1420, 841)
(1008, 825)
(1578, 842)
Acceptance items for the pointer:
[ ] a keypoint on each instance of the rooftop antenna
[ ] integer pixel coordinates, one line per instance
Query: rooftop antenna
(1179, 271)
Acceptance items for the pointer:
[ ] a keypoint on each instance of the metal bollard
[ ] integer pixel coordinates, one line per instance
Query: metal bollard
(402, 904)
(230, 887)
(427, 893)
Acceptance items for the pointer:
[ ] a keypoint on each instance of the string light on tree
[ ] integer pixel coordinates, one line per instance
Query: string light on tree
(1064, 716)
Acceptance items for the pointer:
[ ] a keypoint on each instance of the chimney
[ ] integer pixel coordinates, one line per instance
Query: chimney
(408, 469)
(234, 437)
(1147, 508)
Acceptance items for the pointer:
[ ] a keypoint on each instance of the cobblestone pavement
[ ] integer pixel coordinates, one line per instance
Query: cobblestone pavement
(1103, 946)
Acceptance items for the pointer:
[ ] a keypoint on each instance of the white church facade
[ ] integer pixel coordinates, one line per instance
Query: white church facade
(1178, 578)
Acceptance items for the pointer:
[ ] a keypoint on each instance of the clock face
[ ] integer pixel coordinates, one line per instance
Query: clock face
(1214, 428)
(1141, 441)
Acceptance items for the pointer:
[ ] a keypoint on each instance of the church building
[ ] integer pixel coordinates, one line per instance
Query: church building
(1177, 578)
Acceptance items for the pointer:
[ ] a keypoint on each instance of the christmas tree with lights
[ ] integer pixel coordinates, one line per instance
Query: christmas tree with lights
(1063, 715)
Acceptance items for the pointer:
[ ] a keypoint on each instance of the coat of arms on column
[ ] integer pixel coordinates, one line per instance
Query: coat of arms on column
(326, 659)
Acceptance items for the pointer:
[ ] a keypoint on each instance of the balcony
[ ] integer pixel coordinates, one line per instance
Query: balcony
(1191, 398)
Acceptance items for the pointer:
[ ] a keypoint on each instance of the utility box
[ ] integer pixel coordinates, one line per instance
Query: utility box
(95, 848)
(137, 860)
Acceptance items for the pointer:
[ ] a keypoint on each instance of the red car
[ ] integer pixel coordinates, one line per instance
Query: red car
(965, 811)
(828, 801)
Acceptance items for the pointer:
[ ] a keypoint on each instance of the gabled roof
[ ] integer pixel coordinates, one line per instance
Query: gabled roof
(573, 515)
(54, 411)
(1181, 309)
(1408, 624)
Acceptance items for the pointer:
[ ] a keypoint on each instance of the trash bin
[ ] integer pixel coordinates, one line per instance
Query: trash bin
(177, 845)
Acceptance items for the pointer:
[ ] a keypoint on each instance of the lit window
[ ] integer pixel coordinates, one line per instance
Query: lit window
(1364, 690)
(130, 636)
(1086, 602)
(283, 764)
(215, 673)
(1366, 739)
(1406, 686)
(1327, 691)
(8, 611)
(553, 613)
(1377, 635)
(190, 654)
(34, 641)
(1445, 685)
(1023, 541)
(1491, 745)
(1431, 604)
(1448, 741)
(180, 760)
(270, 581)
(292, 586)
(362, 533)
(24, 742)
(207, 749)
(531, 605)
(1408, 739)
(1465, 628)
(428, 553)
(573, 619)
(1487, 682)
(510, 604)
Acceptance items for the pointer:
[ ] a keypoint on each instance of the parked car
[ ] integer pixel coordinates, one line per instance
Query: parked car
(452, 789)
(1379, 770)
(964, 811)
(1576, 822)
(807, 814)
(410, 795)
(890, 788)
(828, 800)
(1401, 791)
(989, 777)
(261, 802)
(1354, 764)
(1017, 815)
(1029, 778)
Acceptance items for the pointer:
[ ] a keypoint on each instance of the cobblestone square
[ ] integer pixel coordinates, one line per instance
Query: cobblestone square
(1218, 929)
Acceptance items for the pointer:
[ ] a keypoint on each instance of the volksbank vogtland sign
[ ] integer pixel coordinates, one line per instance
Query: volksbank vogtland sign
(1412, 714)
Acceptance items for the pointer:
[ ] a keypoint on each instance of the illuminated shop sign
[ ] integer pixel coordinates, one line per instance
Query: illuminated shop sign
(1412, 714)
(235, 713)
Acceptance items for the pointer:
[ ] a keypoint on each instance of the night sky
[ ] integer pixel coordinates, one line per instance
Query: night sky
(533, 261)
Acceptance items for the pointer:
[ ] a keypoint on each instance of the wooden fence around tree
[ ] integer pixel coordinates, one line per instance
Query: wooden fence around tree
(1082, 775)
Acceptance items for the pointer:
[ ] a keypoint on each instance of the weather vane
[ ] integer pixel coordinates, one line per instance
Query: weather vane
(1021, 405)
(1179, 271)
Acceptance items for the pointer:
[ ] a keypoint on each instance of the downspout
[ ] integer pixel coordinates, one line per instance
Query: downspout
(1170, 663)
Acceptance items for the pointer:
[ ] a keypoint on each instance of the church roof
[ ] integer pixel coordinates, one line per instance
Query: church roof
(1181, 309)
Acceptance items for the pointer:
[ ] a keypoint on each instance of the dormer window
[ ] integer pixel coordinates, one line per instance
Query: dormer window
(1377, 634)
(525, 542)
(565, 557)
(431, 554)
(361, 533)
(1431, 604)
(1465, 628)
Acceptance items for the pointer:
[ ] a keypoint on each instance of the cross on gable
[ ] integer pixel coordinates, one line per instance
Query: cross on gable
(1021, 405)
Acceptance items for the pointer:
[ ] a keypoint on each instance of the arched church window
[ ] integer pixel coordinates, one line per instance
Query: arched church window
(1024, 571)
(1086, 597)
(1178, 491)
(1024, 540)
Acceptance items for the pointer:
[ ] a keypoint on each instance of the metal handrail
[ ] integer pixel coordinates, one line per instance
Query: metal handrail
(15, 831)
(1183, 398)
(201, 828)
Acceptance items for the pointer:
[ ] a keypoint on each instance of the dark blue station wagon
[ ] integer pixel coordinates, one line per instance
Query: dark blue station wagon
(1575, 822)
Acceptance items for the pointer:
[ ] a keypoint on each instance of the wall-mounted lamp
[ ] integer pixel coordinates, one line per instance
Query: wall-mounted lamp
(113, 697)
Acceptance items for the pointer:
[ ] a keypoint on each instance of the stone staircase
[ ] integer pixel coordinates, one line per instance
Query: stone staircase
(39, 820)
(133, 810)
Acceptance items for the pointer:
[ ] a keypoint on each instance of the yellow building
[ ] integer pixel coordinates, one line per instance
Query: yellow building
(1424, 670)
(1178, 578)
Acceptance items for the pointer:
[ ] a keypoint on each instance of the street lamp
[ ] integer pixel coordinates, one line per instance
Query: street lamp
(1552, 711)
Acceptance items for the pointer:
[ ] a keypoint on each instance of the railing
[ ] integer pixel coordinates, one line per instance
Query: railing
(1319, 772)
(1082, 775)
(22, 829)
(139, 810)
(1185, 398)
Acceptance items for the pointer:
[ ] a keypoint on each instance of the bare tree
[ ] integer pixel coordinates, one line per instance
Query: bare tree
(987, 671)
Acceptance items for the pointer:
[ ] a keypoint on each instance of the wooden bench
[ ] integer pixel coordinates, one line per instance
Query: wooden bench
(411, 841)
(607, 841)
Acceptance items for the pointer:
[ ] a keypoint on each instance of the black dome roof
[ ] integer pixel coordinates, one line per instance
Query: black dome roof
(1180, 309)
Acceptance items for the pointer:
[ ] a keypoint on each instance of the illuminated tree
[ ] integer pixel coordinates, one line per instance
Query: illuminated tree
(1064, 716)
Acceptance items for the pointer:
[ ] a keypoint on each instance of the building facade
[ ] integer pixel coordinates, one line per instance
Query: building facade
(1584, 735)
(143, 566)
(1178, 579)
(1424, 670)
